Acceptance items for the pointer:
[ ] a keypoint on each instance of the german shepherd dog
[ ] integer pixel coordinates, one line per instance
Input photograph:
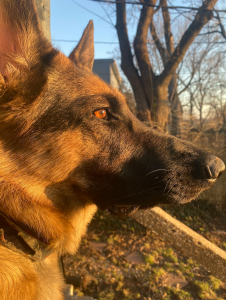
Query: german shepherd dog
(69, 144)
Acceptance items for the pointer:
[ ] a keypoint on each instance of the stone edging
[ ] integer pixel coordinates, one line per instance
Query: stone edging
(184, 239)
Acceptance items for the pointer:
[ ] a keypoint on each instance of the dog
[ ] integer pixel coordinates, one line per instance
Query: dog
(70, 144)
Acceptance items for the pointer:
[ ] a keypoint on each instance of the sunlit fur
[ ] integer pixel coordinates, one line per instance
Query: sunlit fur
(58, 161)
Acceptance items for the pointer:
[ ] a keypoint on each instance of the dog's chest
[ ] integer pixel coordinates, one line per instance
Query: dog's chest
(51, 281)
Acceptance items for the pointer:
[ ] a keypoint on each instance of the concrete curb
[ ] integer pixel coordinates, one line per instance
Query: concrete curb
(184, 239)
(70, 295)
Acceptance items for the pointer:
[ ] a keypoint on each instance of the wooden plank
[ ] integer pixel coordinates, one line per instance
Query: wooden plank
(184, 239)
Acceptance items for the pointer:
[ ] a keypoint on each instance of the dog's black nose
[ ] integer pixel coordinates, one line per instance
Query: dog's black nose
(213, 169)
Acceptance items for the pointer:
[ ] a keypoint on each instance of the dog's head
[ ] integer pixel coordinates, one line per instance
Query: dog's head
(74, 137)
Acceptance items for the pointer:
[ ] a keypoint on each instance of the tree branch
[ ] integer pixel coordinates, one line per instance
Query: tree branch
(141, 50)
(210, 32)
(167, 28)
(202, 17)
(127, 63)
(222, 32)
(161, 49)
(194, 69)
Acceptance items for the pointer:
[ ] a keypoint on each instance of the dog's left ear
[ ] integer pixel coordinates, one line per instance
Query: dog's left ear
(83, 54)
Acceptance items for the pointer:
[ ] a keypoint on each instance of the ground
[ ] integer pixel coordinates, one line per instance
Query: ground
(121, 260)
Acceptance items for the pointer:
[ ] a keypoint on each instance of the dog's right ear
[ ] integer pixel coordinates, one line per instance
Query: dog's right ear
(83, 54)
(21, 38)
(19, 30)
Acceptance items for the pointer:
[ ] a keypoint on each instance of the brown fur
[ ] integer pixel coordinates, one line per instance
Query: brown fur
(58, 161)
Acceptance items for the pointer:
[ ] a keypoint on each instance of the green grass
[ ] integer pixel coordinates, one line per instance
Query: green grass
(169, 254)
(150, 259)
(158, 273)
(207, 290)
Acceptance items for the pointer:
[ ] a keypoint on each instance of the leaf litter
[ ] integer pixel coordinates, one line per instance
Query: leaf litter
(121, 260)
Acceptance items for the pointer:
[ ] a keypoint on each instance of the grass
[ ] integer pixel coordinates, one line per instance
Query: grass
(158, 273)
(150, 259)
(207, 290)
(169, 254)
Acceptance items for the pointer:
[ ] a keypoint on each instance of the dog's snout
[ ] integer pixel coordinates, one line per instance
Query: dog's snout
(214, 169)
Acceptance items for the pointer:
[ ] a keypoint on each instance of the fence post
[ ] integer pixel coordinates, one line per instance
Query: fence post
(43, 7)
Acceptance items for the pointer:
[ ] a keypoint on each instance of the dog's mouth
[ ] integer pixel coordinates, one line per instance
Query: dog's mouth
(123, 211)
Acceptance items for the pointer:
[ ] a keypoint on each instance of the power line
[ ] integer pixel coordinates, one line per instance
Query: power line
(73, 41)
(158, 6)
(110, 20)
(91, 12)
(117, 43)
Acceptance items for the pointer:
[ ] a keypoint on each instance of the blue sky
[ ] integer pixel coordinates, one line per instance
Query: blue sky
(68, 21)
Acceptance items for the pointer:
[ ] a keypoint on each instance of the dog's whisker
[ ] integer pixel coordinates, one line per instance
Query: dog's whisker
(171, 188)
(138, 193)
(153, 186)
(168, 181)
(152, 173)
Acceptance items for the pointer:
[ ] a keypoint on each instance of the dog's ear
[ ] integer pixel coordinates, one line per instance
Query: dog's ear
(83, 54)
(20, 31)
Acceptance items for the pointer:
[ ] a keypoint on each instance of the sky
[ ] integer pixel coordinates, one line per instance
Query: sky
(68, 21)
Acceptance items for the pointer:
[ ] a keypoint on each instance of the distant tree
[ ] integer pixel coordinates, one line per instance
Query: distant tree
(202, 82)
(125, 89)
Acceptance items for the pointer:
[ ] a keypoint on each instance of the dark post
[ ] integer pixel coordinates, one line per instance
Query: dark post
(43, 7)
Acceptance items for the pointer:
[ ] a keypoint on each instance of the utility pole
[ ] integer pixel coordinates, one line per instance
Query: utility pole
(43, 7)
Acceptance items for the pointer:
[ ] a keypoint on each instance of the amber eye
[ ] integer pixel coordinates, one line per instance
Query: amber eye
(101, 114)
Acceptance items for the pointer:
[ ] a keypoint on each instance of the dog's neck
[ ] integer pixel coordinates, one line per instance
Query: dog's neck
(62, 231)
(24, 200)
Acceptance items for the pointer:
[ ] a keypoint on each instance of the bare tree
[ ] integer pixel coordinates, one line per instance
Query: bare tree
(202, 78)
(218, 103)
(155, 92)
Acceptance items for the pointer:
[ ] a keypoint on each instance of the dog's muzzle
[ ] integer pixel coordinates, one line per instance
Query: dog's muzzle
(122, 211)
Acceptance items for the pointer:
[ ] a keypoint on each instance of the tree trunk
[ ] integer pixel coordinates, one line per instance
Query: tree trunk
(160, 110)
(127, 64)
(176, 120)
(176, 108)
(43, 7)
(141, 51)
(200, 117)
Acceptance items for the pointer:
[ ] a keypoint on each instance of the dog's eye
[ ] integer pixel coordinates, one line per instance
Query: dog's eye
(101, 114)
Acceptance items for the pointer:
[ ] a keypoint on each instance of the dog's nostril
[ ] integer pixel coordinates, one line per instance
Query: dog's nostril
(220, 173)
(207, 172)
(214, 169)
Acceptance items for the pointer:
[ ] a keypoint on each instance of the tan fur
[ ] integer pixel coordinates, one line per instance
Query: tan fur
(22, 279)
